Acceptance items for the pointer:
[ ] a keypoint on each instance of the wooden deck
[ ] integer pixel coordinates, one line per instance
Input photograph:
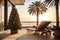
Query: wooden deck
(24, 35)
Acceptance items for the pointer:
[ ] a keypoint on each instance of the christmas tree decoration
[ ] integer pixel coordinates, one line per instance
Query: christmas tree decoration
(14, 21)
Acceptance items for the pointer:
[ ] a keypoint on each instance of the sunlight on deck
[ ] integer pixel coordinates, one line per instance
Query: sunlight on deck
(7, 36)
(23, 35)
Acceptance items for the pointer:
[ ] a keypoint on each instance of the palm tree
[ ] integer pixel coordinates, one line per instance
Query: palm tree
(36, 8)
(56, 3)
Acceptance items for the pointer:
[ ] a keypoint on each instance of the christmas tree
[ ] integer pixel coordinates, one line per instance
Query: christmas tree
(14, 20)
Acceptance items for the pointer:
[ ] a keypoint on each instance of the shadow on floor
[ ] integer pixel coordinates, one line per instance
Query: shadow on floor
(56, 39)
(33, 37)
(4, 35)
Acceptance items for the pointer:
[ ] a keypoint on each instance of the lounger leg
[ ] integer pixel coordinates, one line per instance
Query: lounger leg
(43, 33)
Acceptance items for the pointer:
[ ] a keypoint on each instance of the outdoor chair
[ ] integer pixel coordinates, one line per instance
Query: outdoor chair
(40, 27)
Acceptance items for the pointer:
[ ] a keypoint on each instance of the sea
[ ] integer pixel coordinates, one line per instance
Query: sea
(33, 23)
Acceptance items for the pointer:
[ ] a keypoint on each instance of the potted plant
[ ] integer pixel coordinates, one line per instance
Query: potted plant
(56, 31)
(14, 21)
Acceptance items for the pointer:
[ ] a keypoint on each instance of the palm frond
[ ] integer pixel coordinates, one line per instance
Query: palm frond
(48, 2)
(32, 9)
(52, 3)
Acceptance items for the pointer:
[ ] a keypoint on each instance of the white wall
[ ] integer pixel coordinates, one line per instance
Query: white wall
(1, 26)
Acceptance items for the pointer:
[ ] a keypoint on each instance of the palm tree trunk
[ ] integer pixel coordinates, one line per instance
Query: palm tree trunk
(57, 13)
(37, 17)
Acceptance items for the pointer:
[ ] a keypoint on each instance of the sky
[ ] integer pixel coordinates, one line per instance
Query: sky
(49, 15)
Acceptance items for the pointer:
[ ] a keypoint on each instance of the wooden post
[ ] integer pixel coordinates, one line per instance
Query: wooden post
(5, 14)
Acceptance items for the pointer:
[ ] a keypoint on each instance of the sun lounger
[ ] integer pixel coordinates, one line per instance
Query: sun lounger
(40, 27)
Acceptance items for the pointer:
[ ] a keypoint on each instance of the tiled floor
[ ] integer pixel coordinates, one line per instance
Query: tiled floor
(23, 35)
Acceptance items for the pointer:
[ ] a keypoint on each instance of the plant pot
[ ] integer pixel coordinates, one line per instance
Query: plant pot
(57, 33)
(14, 31)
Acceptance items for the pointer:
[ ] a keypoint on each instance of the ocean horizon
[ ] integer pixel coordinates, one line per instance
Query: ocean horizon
(33, 23)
